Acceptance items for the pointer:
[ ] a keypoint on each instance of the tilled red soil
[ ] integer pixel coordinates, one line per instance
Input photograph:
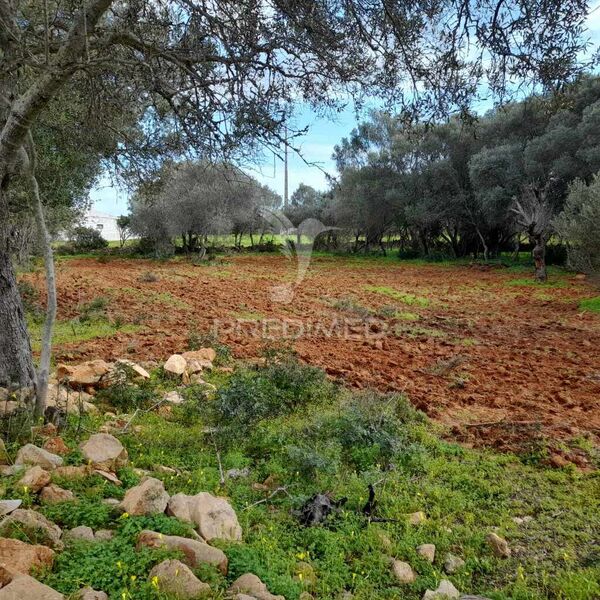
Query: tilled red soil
(499, 362)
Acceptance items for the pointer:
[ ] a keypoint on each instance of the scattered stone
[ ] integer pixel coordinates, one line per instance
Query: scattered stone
(166, 470)
(24, 558)
(174, 397)
(196, 552)
(147, 498)
(112, 502)
(427, 551)
(8, 407)
(80, 533)
(56, 445)
(453, 563)
(499, 545)
(108, 476)
(444, 591)
(10, 470)
(403, 572)
(89, 594)
(207, 354)
(84, 375)
(34, 525)
(251, 585)
(139, 371)
(522, 520)
(213, 516)
(105, 452)
(176, 365)
(52, 494)
(16, 586)
(173, 577)
(71, 473)
(237, 473)
(417, 518)
(104, 535)
(195, 366)
(32, 455)
(8, 506)
(469, 597)
(386, 543)
(34, 479)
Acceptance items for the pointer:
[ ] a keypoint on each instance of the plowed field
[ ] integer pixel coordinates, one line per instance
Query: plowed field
(498, 360)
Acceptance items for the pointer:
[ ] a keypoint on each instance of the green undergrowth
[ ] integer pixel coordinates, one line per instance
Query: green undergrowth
(298, 434)
(405, 298)
(590, 304)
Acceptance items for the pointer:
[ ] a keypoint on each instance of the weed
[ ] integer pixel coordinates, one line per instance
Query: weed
(93, 310)
(408, 299)
(590, 304)
(148, 277)
(350, 305)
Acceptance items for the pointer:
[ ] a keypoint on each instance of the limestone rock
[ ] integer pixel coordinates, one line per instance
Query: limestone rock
(137, 370)
(173, 577)
(24, 558)
(52, 494)
(16, 586)
(147, 498)
(453, 563)
(82, 532)
(444, 591)
(417, 518)
(84, 375)
(305, 573)
(427, 551)
(213, 516)
(89, 594)
(499, 545)
(32, 455)
(175, 365)
(104, 535)
(34, 479)
(174, 397)
(105, 452)
(8, 506)
(207, 354)
(252, 586)
(196, 552)
(403, 572)
(34, 525)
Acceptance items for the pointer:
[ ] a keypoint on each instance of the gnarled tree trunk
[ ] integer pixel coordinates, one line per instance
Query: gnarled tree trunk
(16, 362)
(539, 257)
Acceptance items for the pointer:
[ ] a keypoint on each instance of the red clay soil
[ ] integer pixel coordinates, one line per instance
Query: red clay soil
(499, 362)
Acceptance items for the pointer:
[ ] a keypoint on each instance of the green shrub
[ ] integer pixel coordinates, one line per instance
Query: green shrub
(85, 239)
(126, 396)
(280, 388)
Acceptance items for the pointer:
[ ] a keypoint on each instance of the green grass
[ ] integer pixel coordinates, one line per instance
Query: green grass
(72, 331)
(591, 304)
(530, 282)
(408, 299)
(289, 423)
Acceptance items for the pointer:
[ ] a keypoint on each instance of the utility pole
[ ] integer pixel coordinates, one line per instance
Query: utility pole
(285, 184)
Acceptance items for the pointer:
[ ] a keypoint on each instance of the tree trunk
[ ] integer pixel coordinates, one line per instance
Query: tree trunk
(16, 362)
(539, 258)
(43, 373)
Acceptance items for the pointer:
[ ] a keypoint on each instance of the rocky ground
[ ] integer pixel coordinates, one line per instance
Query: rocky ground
(170, 531)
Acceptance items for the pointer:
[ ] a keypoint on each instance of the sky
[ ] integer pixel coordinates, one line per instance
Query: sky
(316, 146)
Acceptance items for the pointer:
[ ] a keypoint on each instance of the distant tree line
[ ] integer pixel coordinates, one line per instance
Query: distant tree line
(469, 185)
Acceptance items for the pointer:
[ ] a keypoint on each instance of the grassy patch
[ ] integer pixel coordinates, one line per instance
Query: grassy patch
(591, 304)
(408, 299)
(530, 282)
(72, 331)
(151, 297)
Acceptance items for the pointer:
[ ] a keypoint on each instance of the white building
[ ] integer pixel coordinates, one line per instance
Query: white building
(106, 224)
